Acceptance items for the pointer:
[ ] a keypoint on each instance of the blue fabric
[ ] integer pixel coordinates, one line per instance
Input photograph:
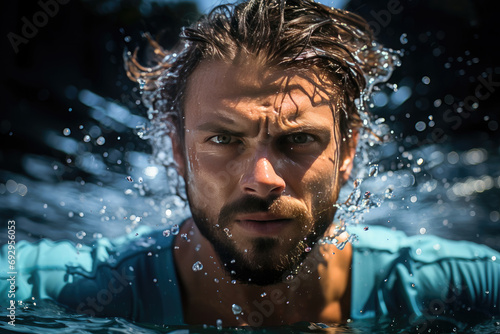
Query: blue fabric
(134, 276)
(423, 277)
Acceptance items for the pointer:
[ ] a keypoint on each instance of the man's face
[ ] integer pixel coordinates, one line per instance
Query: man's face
(261, 161)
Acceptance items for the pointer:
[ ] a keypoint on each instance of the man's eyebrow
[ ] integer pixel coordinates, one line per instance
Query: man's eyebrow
(219, 122)
(308, 128)
(219, 126)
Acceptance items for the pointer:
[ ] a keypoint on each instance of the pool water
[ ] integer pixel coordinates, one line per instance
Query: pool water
(50, 318)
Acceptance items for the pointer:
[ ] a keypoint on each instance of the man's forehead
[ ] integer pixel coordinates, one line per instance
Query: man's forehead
(215, 79)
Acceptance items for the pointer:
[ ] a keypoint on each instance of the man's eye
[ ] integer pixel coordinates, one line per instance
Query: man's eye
(299, 138)
(221, 139)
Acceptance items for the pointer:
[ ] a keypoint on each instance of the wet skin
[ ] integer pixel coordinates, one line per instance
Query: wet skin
(252, 134)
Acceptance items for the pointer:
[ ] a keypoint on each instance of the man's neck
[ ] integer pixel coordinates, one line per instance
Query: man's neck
(320, 292)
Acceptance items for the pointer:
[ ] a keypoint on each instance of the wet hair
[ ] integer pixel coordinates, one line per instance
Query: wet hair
(284, 34)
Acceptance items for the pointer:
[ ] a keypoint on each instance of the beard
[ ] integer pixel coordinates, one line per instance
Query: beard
(268, 260)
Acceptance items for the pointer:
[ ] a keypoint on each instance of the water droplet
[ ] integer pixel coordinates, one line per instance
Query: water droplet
(142, 83)
(228, 232)
(175, 229)
(197, 266)
(308, 249)
(426, 80)
(420, 126)
(341, 245)
(81, 234)
(166, 233)
(236, 309)
(219, 324)
(394, 87)
(100, 140)
(373, 171)
(263, 294)
(366, 228)
(233, 281)
(130, 179)
(357, 183)
(403, 38)
(127, 39)
(216, 280)
(86, 138)
(388, 193)
(66, 132)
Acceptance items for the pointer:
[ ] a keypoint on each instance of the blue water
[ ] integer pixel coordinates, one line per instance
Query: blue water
(50, 318)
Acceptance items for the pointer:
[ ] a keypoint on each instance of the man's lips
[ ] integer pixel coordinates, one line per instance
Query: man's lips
(262, 224)
(261, 217)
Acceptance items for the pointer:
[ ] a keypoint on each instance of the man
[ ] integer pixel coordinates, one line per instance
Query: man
(259, 104)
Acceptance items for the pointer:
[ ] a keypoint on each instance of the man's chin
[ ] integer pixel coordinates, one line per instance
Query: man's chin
(259, 277)
(263, 265)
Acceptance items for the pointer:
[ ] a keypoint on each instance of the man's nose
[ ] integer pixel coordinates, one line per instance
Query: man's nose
(260, 178)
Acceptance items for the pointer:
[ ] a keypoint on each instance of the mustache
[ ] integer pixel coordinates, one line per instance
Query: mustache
(280, 206)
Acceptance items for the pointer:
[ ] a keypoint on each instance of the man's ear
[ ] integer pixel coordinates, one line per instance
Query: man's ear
(178, 153)
(349, 151)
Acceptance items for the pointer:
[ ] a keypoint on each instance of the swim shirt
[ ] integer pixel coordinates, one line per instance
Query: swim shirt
(421, 277)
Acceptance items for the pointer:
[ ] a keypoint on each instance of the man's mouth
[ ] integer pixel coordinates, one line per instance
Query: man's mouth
(262, 224)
